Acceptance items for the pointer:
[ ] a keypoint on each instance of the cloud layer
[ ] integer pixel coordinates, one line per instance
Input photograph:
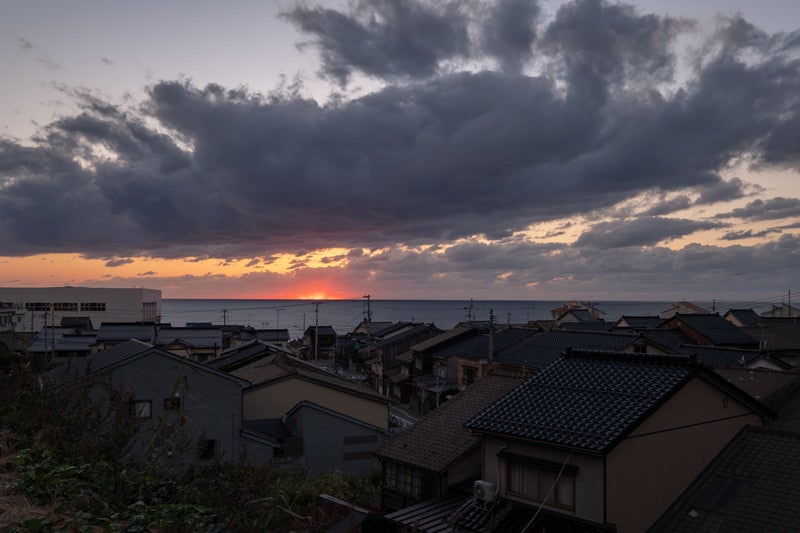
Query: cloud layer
(487, 119)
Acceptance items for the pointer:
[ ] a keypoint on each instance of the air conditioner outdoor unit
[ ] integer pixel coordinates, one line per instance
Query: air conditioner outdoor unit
(484, 491)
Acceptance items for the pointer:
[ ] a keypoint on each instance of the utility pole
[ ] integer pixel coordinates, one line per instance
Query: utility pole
(278, 319)
(368, 316)
(471, 311)
(224, 317)
(316, 330)
(491, 334)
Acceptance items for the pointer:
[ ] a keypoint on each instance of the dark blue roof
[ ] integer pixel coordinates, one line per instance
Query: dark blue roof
(542, 349)
(586, 401)
(717, 330)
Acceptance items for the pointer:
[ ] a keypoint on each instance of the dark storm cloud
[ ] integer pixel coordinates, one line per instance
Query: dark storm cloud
(667, 206)
(771, 209)
(508, 32)
(211, 172)
(111, 263)
(644, 231)
(748, 234)
(385, 38)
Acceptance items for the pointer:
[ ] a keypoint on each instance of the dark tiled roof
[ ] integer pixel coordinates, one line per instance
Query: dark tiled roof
(477, 347)
(671, 339)
(770, 387)
(430, 517)
(61, 339)
(594, 325)
(445, 338)
(639, 322)
(123, 331)
(720, 356)
(750, 486)
(717, 330)
(586, 401)
(744, 317)
(542, 349)
(195, 337)
(440, 438)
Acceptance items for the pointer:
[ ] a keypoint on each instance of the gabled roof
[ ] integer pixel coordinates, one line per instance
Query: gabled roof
(541, 349)
(638, 322)
(118, 355)
(581, 315)
(716, 329)
(439, 438)
(477, 347)
(720, 356)
(771, 387)
(123, 331)
(245, 353)
(273, 335)
(281, 366)
(750, 486)
(445, 337)
(587, 401)
(322, 331)
(195, 337)
(742, 317)
(61, 339)
(591, 401)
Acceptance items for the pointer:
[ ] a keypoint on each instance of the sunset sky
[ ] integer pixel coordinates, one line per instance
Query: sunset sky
(507, 149)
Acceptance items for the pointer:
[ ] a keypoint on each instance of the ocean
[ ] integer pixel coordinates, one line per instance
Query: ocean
(345, 315)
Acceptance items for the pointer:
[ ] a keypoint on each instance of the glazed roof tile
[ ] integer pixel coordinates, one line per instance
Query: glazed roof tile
(750, 486)
(586, 401)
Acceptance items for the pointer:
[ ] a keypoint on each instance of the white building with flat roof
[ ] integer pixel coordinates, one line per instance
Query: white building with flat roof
(45, 306)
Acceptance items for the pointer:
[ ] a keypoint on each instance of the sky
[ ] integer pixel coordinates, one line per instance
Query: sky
(406, 149)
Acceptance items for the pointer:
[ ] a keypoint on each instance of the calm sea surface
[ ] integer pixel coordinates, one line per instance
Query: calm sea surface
(345, 315)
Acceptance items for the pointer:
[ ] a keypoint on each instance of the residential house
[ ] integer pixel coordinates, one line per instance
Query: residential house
(741, 317)
(683, 308)
(637, 323)
(782, 310)
(577, 306)
(247, 353)
(60, 341)
(711, 330)
(576, 437)
(112, 333)
(436, 454)
(334, 424)
(382, 351)
(779, 338)
(198, 343)
(319, 342)
(187, 412)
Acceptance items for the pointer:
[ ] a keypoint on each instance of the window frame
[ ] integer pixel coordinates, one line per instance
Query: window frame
(136, 409)
(544, 475)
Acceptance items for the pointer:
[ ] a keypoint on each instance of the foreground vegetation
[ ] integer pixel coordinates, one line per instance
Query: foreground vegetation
(64, 468)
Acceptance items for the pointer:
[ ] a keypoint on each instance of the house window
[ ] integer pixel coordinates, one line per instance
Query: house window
(403, 479)
(172, 404)
(639, 348)
(93, 306)
(441, 370)
(141, 408)
(207, 449)
(469, 375)
(542, 484)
